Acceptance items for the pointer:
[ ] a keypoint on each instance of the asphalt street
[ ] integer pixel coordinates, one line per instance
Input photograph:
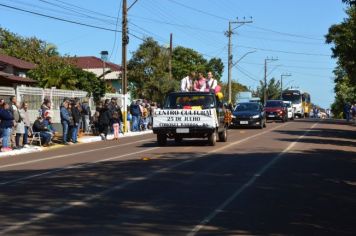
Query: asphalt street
(294, 178)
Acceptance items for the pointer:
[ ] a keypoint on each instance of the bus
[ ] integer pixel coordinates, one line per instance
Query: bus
(300, 101)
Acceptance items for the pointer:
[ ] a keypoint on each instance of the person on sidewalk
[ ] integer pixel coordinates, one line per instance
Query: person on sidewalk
(38, 126)
(65, 120)
(6, 124)
(26, 119)
(76, 120)
(104, 121)
(136, 114)
(115, 123)
(86, 114)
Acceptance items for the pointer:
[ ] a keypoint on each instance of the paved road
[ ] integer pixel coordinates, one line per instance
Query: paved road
(295, 178)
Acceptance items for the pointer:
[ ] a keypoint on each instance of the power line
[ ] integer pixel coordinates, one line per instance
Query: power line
(200, 11)
(287, 52)
(59, 19)
(115, 34)
(284, 33)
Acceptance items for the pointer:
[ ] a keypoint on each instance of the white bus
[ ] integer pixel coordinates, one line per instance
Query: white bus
(294, 96)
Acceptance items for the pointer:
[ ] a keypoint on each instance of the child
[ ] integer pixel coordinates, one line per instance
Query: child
(115, 122)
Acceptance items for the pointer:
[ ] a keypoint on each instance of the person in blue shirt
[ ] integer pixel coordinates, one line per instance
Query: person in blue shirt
(6, 124)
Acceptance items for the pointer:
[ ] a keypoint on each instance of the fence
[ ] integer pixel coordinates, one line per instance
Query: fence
(35, 96)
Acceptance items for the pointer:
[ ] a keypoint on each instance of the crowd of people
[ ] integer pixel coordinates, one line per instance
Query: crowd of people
(15, 125)
(75, 115)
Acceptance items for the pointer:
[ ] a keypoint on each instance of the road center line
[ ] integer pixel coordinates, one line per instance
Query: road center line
(240, 190)
(70, 205)
(70, 154)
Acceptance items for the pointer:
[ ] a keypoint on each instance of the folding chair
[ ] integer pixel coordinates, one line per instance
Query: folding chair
(36, 136)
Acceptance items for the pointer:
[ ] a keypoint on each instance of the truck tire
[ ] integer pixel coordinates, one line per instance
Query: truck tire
(212, 139)
(223, 135)
(161, 139)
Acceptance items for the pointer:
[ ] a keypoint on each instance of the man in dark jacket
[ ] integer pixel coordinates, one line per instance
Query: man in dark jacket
(65, 121)
(6, 124)
(104, 121)
(38, 126)
(135, 112)
(76, 119)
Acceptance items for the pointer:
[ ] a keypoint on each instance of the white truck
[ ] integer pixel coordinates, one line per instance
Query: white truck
(190, 115)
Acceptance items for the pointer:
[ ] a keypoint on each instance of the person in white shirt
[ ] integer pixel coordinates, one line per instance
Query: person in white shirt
(211, 83)
(186, 83)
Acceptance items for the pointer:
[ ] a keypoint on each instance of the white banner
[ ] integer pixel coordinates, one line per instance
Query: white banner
(185, 118)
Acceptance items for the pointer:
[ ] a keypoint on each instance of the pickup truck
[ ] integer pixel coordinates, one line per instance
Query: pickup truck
(191, 115)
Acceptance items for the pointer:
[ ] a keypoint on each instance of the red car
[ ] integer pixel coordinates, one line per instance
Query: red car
(276, 110)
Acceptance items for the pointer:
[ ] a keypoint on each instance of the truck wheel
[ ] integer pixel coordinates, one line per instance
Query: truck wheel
(162, 139)
(212, 139)
(223, 135)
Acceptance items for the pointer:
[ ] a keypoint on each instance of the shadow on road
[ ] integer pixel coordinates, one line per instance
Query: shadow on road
(308, 193)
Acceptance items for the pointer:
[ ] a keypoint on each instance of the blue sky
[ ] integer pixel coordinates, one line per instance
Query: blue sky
(292, 31)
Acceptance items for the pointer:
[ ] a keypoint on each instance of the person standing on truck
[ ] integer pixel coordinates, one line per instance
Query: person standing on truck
(186, 84)
(200, 84)
(210, 83)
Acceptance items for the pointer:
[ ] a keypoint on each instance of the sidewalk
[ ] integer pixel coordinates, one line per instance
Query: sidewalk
(83, 139)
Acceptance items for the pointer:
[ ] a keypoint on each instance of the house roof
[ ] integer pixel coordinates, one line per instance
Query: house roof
(21, 64)
(93, 63)
(14, 78)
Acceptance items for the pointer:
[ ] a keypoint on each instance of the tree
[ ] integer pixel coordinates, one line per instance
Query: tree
(52, 70)
(273, 89)
(216, 66)
(148, 72)
(186, 60)
(235, 89)
(343, 37)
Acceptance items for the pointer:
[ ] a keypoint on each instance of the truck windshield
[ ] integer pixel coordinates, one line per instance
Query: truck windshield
(189, 101)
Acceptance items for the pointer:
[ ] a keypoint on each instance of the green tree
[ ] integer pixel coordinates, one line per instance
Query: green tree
(148, 72)
(186, 60)
(273, 89)
(52, 70)
(343, 37)
(216, 66)
(235, 89)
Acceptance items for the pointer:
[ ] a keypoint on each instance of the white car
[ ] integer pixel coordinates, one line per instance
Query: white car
(290, 109)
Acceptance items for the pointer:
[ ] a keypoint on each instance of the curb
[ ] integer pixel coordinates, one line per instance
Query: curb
(84, 139)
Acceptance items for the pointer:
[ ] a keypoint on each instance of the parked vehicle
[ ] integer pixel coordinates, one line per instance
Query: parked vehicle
(249, 114)
(290, 109)
(276, 110)
(191, 115)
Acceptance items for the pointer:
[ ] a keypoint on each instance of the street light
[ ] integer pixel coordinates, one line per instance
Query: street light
(104, 57)
(283, 75)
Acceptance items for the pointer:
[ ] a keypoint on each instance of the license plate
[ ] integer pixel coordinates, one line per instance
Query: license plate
(243, 122)
(182, 131)
(270, 115)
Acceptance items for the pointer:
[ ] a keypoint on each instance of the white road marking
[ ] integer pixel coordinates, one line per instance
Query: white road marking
(214, 213)
(70, 154)
(84, 201)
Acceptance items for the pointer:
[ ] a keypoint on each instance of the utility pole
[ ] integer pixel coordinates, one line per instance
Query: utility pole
(125, 40)
(283, 75)
(265, 79)
(170, 55)
(229, 34)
